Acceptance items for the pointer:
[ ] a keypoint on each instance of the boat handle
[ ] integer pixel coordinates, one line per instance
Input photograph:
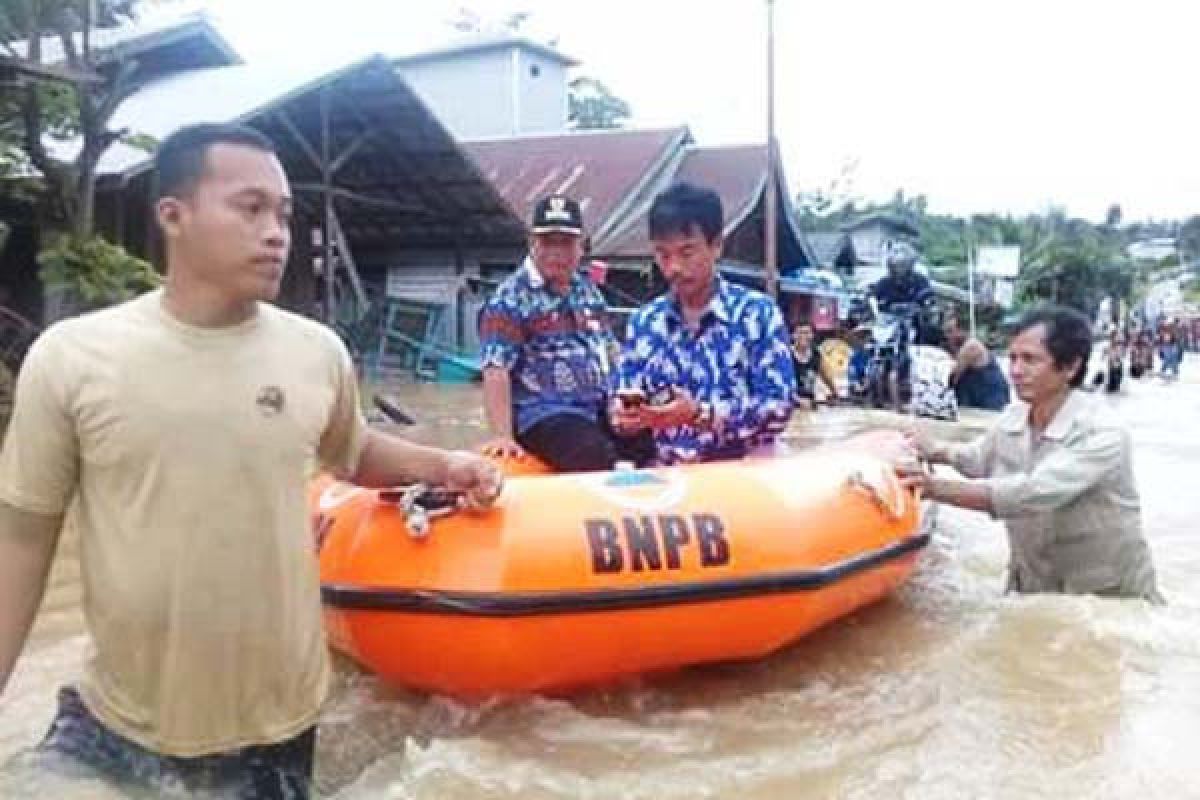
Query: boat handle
(420, 504)
(875, 491)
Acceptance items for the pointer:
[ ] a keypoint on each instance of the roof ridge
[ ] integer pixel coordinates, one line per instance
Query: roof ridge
(567, 134)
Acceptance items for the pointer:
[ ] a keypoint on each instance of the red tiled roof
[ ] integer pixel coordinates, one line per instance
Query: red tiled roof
(600, 169)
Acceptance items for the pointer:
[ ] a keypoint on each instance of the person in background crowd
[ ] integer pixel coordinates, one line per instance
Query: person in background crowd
(810, 367)
(977, 379)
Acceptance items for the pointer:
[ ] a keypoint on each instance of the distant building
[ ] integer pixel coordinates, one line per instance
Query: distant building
(869, 234)
(496, 86)
(1155, 249)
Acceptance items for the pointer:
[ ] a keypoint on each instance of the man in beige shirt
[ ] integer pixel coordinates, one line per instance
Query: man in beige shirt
(177, 434)
(1056, 468)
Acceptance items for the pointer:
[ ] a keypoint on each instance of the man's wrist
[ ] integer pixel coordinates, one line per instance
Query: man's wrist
(938, 453)
(933, 486)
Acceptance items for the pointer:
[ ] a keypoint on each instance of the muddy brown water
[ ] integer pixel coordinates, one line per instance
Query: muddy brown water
(948, 689)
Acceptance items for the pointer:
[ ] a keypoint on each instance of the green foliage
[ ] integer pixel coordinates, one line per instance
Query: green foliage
(1189, 239)
(142, 141)
(36, 110)
(94, 270)
(593, 106)
(1191, 292)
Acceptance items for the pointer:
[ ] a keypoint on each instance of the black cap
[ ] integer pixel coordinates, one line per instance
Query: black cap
(557, 213)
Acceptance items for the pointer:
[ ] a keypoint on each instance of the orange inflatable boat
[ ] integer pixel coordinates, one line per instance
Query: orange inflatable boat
(573, 580)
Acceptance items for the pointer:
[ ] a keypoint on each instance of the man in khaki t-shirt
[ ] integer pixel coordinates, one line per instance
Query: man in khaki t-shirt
(178, 432)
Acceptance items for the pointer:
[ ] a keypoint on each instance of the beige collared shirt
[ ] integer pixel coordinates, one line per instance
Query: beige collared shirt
(1068, 500)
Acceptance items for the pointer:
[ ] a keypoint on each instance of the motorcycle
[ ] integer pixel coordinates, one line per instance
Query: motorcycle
(903, 374)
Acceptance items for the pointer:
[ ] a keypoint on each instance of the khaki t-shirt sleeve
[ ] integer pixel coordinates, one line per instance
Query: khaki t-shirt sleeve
(39, 466)
(345, 432)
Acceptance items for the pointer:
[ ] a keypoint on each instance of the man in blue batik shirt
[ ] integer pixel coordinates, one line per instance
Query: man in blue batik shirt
(718, 351)
(548, 354)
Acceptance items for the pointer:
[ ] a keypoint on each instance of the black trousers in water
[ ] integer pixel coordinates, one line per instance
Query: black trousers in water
(280, 771)
(575, 443)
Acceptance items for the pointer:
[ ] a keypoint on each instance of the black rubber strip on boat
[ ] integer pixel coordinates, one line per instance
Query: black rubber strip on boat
(569, 601)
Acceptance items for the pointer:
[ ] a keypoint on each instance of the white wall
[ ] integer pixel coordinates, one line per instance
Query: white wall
(543, 94)
(471, 95)
(494, 93)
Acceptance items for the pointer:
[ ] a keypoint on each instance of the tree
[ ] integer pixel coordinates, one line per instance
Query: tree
(80, 108)
(1189, 241)
(466, 20)
(1113, 218)
(593, 106)
(75, 108)
(826, 208)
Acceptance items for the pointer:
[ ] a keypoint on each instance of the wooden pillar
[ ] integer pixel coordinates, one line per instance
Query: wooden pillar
(328, 268)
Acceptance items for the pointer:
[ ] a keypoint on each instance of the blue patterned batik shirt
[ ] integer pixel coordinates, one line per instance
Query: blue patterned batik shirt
(739, 361)
(557, 348)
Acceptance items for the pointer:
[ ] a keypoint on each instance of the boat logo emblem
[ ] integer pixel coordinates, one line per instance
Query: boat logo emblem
(638, 490)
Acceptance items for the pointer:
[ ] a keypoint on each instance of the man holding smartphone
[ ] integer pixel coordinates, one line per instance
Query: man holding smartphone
(548, 354)
(713, 358)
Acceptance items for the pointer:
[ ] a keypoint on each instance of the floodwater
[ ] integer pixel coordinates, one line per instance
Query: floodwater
(948, 689)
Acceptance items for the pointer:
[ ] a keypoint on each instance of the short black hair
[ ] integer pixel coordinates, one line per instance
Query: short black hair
(684, 208)
(1068, 336)
(181, 158)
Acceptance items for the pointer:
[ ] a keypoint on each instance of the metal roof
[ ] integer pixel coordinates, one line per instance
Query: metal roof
(602, 170)
(405, 182)
(883, 219)
(123, 41)
(217, 94)
(13, 69)
(828, 247)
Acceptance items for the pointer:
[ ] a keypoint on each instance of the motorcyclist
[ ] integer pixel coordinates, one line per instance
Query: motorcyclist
(904, 286)
(905, 291)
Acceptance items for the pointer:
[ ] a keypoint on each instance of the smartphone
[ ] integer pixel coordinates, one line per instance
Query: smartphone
(631, 398)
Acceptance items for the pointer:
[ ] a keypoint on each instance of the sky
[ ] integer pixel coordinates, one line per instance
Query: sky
(1013, 106)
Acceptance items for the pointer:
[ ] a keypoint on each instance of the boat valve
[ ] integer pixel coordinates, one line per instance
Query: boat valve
(420, 504)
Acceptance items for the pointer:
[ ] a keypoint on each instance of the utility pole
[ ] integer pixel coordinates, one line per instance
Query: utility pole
(769, 223)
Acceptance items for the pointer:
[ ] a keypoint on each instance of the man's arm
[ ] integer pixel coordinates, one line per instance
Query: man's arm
(767, 405)
(353, 452)
(973, 495)
(1062, 476)
(501, 335)
(1053, 483)
(27, 545)
(391, 461)
(497, 408)
(971, 354)
(39, 473)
